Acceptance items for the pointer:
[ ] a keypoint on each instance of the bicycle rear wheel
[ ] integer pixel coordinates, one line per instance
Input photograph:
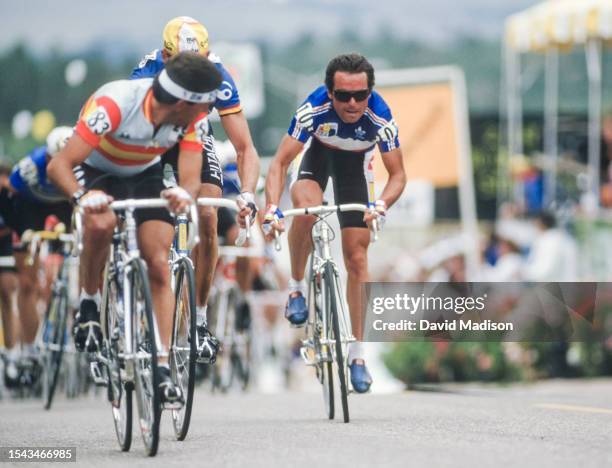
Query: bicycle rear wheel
(183, 349)
(145, 348)
(330, 284)
(54, 339)
(119, 392)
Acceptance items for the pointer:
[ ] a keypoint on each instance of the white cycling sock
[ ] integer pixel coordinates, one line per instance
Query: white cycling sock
(297, 286)
(28, 349)
(201, 315)
(97, 298)
(356, 351)
(13, 353)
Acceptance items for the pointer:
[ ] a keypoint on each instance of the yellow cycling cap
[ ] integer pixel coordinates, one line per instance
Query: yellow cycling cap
(185, 34)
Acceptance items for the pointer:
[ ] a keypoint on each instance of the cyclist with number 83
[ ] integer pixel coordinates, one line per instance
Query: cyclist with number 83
(115, 153)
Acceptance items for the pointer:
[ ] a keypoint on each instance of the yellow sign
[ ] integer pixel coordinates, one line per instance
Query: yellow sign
(427, 132)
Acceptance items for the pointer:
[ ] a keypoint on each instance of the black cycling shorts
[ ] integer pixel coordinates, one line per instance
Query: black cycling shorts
(6, 250)
(147, 184)
(211, 168)
(226, 219)
(30, 214)
(349, 171)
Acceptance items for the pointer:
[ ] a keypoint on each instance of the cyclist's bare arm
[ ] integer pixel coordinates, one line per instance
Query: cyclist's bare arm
(237, 130)
(394, 164)
(189, 168)
(60, 167)
(287, 151)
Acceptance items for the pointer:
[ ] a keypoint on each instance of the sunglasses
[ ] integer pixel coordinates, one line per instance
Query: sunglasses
(345, 96)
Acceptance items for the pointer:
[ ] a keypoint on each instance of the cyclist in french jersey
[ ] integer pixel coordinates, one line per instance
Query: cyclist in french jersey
(337, 130)
(185, 33)
(115, 153)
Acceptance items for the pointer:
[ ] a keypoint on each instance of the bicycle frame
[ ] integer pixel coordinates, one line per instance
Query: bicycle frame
(321, 256)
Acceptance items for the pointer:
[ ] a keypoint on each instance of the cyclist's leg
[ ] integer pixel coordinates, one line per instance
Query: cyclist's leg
(8, 286)
(154, 240)
(30, 215)
(228, 229)
(355, 242)
(97, 235)
(206, 255)
(304, 193)
(27, 297)
(351, 176)
(307, 190)
(155, 235)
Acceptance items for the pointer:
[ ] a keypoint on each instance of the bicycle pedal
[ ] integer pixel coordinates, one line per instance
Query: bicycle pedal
(304, 354)
(97, 375)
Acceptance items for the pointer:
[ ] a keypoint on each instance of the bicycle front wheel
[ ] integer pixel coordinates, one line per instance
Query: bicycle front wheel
(145, 350)
(330, 285)
(54, 339)
(324, 367)
(183, 349)
(119, 392)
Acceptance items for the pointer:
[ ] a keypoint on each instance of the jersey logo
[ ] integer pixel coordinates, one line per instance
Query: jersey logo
(304, 116)
(176, 133)
(146, 58)
(388, 133)
(201, 129)
(329, 129)
(28, 172)
(360, 133)
(225, 91)
(98, 121)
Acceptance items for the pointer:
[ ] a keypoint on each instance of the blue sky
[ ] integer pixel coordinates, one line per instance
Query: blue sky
(76, 25)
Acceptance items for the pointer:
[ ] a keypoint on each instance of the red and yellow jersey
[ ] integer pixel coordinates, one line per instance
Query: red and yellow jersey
(116, 121)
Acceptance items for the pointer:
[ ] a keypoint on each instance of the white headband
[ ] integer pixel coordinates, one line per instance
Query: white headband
(179, 92)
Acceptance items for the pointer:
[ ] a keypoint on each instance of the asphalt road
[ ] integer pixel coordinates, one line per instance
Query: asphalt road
(549, 424)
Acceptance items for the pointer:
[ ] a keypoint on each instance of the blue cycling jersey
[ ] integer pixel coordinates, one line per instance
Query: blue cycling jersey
(317, 118)
(29, 178)
(231, 181)
(228, 100)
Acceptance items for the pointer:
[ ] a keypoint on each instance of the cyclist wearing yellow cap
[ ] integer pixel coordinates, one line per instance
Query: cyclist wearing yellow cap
(186, 34)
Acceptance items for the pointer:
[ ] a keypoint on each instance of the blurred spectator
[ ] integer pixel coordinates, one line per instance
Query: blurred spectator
(509, 265)
(553, 255)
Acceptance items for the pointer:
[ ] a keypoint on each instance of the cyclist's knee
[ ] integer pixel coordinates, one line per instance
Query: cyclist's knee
(208, 225)
(306, 193)
(27, 282)
(159, 271)
(100, 226)
(356, 263)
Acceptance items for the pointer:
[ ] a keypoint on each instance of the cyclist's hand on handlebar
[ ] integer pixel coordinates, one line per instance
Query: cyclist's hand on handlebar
(95, 201)
(246, 203)
(272, 222)
(378, 211)
(178, 198)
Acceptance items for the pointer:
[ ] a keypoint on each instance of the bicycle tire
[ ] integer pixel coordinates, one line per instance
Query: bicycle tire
(146, 370)
(224, 370)
(184, 290)
(324, 368)
(56, 315)
(119, 393)
(330, 284)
